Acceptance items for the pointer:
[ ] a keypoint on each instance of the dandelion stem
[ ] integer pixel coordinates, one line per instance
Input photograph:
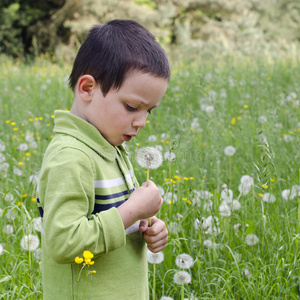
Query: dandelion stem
(154, 282)
(147, 177)
(182, 292)
(149, 219)
(229, 172)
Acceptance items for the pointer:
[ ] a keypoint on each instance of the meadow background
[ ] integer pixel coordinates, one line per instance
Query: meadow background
(243, 245)
(228, 128)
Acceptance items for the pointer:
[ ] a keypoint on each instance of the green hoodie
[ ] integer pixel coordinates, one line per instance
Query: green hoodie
(82, 180)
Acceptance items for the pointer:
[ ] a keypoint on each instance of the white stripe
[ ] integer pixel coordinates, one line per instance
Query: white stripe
(128, 179)
(114, 182)
(108, 183)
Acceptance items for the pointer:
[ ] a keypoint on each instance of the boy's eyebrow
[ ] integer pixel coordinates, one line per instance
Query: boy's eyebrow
(140, 100)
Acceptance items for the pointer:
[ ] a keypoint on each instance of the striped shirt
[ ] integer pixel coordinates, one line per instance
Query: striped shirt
(83, 180)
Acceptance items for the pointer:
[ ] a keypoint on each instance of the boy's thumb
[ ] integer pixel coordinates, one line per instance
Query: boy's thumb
(143, 225)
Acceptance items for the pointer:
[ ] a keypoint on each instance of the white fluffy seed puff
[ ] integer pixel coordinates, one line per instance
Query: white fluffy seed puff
(182, 277)
(155, 258)
(184, 261)
(30, 242)
(149, 157)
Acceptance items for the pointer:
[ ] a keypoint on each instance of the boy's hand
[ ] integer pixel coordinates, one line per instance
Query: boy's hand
(143, 203)
(155, 236)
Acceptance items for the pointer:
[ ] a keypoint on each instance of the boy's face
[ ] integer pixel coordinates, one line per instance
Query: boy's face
(122, 113)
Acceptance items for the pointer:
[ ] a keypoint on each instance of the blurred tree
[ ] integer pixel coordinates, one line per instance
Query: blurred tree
(25, 26)
(30, 26)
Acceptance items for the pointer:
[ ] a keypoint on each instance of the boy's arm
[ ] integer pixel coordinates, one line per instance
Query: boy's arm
(143, 203)
(66, 193)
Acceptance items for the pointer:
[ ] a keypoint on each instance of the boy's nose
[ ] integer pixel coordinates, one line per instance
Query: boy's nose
(140, 121)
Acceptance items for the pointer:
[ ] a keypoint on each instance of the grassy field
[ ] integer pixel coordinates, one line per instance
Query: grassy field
(229, 131)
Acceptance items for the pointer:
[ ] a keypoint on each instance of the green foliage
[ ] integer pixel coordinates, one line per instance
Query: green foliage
(37, 27)
(241, 90)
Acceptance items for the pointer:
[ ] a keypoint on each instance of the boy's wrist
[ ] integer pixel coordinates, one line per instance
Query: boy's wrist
(128, 214)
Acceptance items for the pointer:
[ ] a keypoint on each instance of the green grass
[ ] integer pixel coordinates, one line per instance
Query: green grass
(240, 91)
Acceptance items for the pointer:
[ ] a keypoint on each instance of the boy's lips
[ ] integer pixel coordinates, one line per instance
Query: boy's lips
(128, 137)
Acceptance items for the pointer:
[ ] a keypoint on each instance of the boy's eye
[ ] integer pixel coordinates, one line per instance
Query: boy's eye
(130, 108)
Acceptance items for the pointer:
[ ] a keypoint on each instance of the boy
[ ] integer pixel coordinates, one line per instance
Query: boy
(88, 195)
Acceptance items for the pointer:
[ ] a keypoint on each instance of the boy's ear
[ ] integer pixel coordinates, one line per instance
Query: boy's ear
(85, 87)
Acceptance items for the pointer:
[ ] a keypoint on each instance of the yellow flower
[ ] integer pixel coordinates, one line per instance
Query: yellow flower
(245, 106)
(265, 186)
(186, 178)
(239, 118)
(233, 121)
(20, 163)
(88, 261)
(24, 195)
(147, 122)
(13, 123)
(260, 195)
(78, 260)
(272, 180)
(33, 199)
(87, 254)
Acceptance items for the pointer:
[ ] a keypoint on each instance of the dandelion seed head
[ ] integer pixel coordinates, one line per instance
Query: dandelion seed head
(155, 258)
(23, 147)
(37, 224)
(236, 205)
(184, 261)
(247, 273)
(224, 209)
(166, 298)
(2, 146)
(209, 244)
(244, 189)
(170, 197)
(227, 195)
(8, 229)
(268, 197)
(37, 254)
(251, 239)
(170, 156)
(295, 191)
(2, 157)
(182, 277)
(152, 138)
(174, 228)
(17, 171)
(212, 221)
(262, 119)
(9, 197)
(34, 179)
(286, 195)
(229, 150)
(247, 180)
(1, 249)
(149, 157)
(237, 227)
(30, 242)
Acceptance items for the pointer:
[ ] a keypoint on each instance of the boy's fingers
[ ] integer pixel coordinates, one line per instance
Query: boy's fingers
(143, 226)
